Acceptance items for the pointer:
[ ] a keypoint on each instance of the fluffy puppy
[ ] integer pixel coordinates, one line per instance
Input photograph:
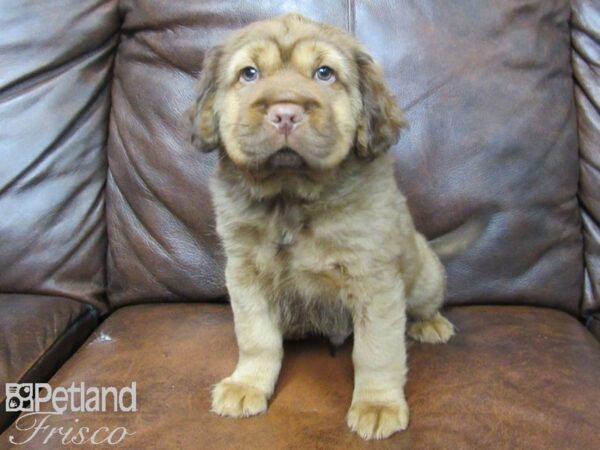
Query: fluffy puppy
(318, 238)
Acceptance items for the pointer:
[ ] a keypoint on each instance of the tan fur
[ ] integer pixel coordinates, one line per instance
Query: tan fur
(329, 249)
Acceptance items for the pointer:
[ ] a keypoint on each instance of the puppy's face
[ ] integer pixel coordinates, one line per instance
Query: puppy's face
(292, 96)
(292, 102)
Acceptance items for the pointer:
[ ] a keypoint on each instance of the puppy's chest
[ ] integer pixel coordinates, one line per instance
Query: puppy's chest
(297, 253)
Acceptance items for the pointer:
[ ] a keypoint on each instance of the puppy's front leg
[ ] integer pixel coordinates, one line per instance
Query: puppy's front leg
(246, 391)
(378, 405)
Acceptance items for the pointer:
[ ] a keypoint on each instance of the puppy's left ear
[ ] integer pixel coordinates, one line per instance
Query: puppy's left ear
(201, 115)
(381, 119)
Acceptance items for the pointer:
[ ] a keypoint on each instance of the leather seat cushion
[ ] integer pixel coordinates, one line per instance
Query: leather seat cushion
(513, 377)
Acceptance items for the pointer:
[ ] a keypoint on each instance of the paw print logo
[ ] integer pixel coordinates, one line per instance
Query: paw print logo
(14, 403)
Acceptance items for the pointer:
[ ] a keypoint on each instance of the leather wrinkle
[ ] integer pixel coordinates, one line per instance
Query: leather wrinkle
(44, 74)
(135, 252)
(162, 58)
(98, 224)
(154, 192)
(74, 125)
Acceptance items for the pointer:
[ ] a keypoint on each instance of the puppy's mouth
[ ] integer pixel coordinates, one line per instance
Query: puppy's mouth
(285, 159)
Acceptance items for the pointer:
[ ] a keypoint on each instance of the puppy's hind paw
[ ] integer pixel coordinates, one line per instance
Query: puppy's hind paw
(436, 330)
(237, 399)
(372, 420)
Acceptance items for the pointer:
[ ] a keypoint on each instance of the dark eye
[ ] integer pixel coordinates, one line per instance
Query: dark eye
(249, 74)
(325, 73)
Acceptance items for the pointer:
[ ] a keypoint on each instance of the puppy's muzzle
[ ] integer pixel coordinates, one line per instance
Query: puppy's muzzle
(285, 117)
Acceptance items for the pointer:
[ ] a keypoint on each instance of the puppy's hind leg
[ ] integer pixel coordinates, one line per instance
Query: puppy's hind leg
(425, 299)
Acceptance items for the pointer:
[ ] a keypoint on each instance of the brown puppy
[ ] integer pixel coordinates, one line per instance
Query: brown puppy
(318, 238)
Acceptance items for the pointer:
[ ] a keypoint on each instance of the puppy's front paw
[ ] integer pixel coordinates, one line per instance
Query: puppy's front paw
(436, 330)
(377, 420)
(238, 399)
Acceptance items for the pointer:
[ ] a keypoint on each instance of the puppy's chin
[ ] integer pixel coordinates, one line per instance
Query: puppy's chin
(282, 173)
(285, 160)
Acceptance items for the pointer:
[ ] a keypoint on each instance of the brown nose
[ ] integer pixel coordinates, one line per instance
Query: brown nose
(285, 116)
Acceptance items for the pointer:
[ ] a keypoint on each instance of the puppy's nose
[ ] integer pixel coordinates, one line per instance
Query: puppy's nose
(285, 116)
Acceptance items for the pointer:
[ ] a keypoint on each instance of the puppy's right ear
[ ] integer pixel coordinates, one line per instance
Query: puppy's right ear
(201, 115)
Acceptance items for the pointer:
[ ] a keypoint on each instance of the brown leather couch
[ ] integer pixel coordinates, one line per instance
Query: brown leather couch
(110, 270)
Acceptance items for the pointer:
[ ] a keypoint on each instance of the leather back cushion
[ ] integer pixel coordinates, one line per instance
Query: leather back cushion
(585, 38)
(54, 104)
(488, 94)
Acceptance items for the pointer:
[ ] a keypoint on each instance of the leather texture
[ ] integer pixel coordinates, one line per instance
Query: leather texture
(481, 145)
(54, 102)
(37, 335)
(586, 60)
(513, 377)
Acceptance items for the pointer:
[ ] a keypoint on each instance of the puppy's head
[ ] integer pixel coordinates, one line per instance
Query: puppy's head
(293, 96)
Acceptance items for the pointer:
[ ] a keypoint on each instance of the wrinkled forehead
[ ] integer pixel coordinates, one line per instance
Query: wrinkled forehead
(301, 46)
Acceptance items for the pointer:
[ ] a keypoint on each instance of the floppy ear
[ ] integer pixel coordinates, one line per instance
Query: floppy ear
(381, 119)
(201, 115)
